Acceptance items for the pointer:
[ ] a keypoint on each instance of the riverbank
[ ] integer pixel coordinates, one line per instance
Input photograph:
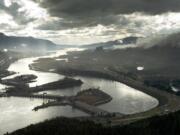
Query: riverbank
(20, 88)
(9, 57)
(106, 73)
(86, 100)
(57, 85)
(79, 65)
(19, 80)
(103, 71)
(151, 126)
(5, 61)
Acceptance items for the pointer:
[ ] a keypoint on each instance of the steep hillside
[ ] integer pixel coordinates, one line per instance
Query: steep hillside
(110, 44)
(25, 43)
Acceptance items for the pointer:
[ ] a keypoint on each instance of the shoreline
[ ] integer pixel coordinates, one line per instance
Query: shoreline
(127, 81)
(168, 103)
(86, 100)
(163, 97)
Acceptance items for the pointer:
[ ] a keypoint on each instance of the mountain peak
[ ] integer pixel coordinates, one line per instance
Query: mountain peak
(2, 34)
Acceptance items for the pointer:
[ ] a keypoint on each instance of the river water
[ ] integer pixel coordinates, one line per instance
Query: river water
(17, 112)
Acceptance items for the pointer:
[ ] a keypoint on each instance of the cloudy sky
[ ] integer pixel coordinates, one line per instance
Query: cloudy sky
(88, 21)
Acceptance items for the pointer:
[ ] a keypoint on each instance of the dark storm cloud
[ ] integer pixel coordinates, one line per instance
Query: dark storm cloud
(83, 8)
(87, 13)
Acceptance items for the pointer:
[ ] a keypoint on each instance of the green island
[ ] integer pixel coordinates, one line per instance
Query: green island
(22, 88)
(60, 84)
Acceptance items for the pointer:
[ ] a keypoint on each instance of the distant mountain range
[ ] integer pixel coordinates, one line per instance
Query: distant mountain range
(110, 44)
(27, 44)
(16, 43)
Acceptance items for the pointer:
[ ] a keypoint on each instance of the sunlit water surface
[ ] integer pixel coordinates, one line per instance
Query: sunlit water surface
(17, 112)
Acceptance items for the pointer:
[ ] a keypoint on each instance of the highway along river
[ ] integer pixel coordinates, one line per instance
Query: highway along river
(17, 112)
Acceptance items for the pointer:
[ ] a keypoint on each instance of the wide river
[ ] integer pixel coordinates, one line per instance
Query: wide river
(17, 113)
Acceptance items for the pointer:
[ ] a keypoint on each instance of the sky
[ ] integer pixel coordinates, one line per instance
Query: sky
(78, 22)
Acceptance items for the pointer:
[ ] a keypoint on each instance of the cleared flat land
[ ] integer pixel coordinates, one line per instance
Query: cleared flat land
(93, 97)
